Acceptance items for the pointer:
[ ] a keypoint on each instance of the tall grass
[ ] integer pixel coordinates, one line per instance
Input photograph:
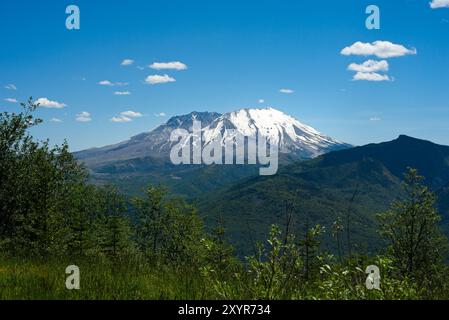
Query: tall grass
(23, 279)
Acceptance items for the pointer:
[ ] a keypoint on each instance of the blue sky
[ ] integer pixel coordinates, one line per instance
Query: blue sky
(236, 53)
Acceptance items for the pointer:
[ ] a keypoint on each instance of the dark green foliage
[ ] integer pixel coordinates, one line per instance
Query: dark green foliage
(411, 229)
(112, 228)
(372, 173)
(275, 267)
(167, 229)
(35, 187)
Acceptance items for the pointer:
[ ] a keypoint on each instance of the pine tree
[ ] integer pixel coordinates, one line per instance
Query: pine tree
(113, 232)
(150, 213)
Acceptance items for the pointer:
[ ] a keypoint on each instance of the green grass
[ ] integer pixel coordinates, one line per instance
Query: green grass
(133, 279)
(100, 280)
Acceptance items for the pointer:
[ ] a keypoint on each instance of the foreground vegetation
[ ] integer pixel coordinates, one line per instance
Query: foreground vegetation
(156, 247)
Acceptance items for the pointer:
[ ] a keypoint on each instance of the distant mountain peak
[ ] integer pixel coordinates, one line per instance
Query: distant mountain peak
(403, 137)
(292, 136)
(182, 121)
(408, 139)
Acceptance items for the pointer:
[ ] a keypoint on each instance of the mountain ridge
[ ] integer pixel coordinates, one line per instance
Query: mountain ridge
(326, 185)
(293, 137)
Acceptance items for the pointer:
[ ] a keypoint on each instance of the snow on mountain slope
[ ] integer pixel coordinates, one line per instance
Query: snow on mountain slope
(155, 143)
(293, 137)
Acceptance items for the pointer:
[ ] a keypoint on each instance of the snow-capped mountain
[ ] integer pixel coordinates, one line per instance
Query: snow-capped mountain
(292, 136)
(288, 133)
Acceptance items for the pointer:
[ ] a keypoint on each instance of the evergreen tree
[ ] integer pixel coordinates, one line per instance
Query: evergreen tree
(310, 248)
(150, 213)
(168, 228)
(113, 231)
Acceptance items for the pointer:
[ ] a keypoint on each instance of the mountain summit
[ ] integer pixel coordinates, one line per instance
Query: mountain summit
(291, 135)
(294, 138)
(145, 158)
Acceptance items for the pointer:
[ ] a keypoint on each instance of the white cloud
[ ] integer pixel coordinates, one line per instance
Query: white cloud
(261, 101)
(131, 114)
(380, 49)
(122, 93)
(175, 65)
(158, 79)
(55, 120)
(83, 117)
(12, 100)
(160, 114)
(126, 116)
(46, 103)
(140, 68)
(106, 83)
(375, 119)
(127, 62)
(435, 4)
(287, 91)
(121, 119)
(112, 84)
(11, 87)
(370, 76)
(369, 66)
